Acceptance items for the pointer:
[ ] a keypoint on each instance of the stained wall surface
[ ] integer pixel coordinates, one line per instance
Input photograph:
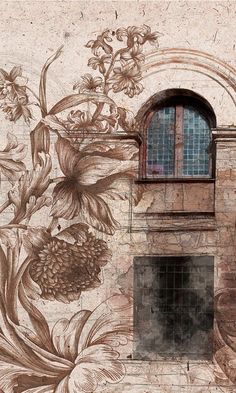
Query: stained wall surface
(74, 212)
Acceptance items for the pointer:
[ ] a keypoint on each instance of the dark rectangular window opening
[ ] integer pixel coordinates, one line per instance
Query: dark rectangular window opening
(173, 307)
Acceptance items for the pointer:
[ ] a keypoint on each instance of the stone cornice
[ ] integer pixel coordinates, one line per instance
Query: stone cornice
(224, 133)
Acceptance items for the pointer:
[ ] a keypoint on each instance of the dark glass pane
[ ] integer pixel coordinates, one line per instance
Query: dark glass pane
(160, 143)
(196, 135)
(176, 311)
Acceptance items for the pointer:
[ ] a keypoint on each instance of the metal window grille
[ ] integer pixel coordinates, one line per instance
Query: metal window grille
(173, 312)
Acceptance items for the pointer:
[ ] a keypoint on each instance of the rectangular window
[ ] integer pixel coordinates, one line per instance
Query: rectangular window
(173, 307)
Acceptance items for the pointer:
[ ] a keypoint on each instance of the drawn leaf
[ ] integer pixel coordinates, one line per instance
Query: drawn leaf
(37, 319)
(126, 119)
(40, 142)
(31, 183)
(11, 157)
(77, 99)
(52, 122)
(3, 271)
(42, 86)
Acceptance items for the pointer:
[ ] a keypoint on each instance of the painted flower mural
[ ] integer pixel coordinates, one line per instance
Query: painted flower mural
(78, 345)
(59, 260)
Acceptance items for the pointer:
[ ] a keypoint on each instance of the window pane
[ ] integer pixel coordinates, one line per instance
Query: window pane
(196, 143)
(160, 143)
(173, 313)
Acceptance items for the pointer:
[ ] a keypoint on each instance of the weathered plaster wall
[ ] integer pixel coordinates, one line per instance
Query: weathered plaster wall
(196, 52)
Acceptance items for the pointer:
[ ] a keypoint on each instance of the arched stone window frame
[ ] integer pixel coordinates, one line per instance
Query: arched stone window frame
(167, 98)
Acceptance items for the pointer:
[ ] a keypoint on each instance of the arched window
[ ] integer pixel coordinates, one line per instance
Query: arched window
(178, 138)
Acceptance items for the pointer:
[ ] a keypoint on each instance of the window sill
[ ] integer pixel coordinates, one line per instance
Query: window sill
(176, 180)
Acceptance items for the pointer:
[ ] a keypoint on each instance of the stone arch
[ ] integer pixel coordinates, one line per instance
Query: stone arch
(197, 71)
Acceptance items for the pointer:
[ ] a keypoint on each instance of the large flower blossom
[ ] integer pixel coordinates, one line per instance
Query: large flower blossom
(63, 269)
(127, 78)
(84, 352)
(88, 174)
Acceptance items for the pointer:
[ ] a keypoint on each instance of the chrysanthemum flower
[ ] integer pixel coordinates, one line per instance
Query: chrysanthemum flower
(63, 269)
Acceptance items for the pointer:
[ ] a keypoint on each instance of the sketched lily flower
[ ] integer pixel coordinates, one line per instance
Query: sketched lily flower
(88, 173)
(137, 35)
(62, 267)
(127, 78)
(88, 84)
(16, 108)
(135, 54)
(81, 120)
(101, 43)
(85, 354)
(12, 84)
(150, 37)
(11, 165)
(99, 62)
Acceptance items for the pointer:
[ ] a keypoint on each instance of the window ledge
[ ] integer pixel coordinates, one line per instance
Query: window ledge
(176, 180)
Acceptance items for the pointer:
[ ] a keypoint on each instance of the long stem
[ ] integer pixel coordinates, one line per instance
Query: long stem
(106, 77)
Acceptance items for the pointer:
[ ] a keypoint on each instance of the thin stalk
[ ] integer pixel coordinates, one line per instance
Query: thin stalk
(106, 77)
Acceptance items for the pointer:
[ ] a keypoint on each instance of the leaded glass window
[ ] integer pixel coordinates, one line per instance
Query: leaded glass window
(178, 143)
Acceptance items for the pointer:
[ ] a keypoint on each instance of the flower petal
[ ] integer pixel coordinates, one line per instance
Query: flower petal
(66, 200)
(97, 364)
(68, 156)
(109, 324)
(3, 75)
(66, 334)
(90, 169)
(97, 213)
(16, 72)
(111, 150)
